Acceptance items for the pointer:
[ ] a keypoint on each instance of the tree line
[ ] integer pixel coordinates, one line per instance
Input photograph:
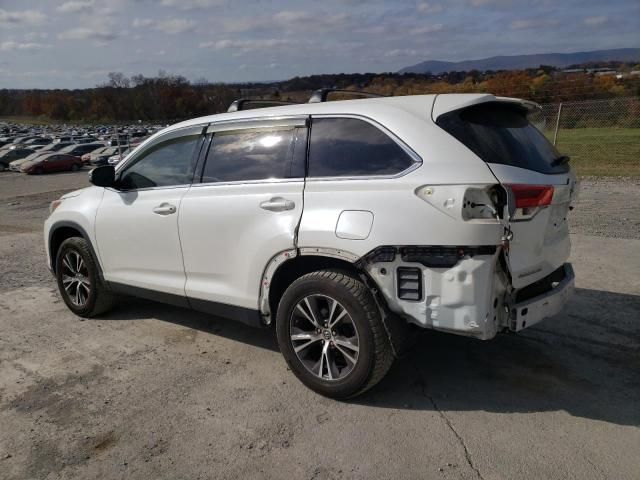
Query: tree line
(168, 97)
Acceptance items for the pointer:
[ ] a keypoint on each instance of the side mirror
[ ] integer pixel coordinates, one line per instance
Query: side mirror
(104, 176)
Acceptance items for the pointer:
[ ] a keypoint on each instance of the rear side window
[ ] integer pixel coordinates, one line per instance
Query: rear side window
(348, 147)
(500, 133)
(164, 164)
(245, 155)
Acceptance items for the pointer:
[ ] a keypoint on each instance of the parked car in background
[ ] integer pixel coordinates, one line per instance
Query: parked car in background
(115, 159)
(80, 149)
(53, 162)
(38, 141)
(9, 157)
(54, 147)
(100, 156)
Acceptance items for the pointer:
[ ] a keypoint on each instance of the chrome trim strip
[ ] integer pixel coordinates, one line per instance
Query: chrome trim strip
(258, 123)
(249, 182)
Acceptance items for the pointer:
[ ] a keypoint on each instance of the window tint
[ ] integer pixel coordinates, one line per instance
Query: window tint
(350, 147)
(249, 155)
(167, 163)
(500, 133)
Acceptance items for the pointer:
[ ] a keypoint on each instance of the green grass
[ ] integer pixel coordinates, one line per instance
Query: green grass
(601, 151)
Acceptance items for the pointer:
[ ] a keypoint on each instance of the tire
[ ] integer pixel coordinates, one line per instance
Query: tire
(75, 167)
(317, 292)
(38, 171)
(93, 298)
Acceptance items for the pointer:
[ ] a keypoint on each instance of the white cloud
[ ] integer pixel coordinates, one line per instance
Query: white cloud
(290, 21)
(402, 52)
(426, 29)
(77, 6)
(25, 17)
(521, 24)
(170, 26)
(35, 36)
(593, 21)
(533, 23)
(191, 4)
(11, 45)
(482, 3)
(245, 45)
(84, 33)
(174, 25)
(425, 7)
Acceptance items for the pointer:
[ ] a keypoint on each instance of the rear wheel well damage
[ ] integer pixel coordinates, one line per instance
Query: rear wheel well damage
(295, 268)
(399, 331)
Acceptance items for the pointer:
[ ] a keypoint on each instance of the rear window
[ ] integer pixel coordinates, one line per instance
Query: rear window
(501, 133)
(348, 147)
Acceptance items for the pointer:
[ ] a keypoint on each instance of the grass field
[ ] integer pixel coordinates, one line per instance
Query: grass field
(601, 151)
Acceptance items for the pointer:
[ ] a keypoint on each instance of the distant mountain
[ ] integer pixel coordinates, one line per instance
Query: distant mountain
(519, 62)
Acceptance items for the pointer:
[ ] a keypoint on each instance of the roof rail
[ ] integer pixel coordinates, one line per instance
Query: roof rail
(239, 104)
(320, 95)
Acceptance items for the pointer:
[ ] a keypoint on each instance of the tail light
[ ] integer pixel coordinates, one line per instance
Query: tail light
(529, 200)
(527, 196)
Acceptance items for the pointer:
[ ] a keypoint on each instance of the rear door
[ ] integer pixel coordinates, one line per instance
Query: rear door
(537, 180)
(242, 210)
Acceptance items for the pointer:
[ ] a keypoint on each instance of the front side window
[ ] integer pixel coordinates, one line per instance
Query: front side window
(245, 155)
(164, 164)
(348, 147)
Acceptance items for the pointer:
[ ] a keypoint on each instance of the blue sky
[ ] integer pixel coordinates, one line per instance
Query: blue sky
(75, 43)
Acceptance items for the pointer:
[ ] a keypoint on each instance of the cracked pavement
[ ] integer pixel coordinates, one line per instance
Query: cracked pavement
(154, 391)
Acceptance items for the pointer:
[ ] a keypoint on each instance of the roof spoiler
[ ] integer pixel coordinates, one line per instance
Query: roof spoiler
(320, 96)
(447, 103)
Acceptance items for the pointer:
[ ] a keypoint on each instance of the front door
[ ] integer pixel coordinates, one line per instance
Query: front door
(137, 222)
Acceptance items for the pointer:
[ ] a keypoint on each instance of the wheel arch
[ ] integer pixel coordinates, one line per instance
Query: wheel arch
(61, 231)
(290, 265)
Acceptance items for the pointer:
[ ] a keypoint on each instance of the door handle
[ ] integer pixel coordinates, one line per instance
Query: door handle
(277, 204)
(164, 209)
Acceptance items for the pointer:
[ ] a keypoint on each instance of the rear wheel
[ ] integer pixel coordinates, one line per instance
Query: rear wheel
(331, 334)
(75, 167)
(78, 279)
(38, 171)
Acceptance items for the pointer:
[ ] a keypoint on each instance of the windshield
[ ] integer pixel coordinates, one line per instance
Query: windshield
(500, 133)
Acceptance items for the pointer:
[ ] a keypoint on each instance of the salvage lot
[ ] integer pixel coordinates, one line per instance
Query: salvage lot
(152, 391)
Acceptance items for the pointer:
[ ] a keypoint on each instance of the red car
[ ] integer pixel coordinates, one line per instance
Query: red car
(54, 162)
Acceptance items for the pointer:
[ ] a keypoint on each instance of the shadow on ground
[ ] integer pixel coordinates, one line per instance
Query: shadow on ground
(585, 361)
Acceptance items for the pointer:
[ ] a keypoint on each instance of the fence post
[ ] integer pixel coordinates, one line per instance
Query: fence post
(555, 134)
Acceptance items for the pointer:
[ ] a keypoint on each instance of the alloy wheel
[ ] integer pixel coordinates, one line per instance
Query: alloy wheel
(324, 337)
(75, 278)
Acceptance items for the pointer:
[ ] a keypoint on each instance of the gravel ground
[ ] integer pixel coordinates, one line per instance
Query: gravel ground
(152, 391)
(608, 207)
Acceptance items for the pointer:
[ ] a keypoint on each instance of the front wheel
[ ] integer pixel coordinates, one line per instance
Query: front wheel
(78, 279)
(331, 334)
(75, 167)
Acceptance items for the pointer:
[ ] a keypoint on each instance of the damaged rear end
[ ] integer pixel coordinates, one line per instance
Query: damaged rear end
(522, 277)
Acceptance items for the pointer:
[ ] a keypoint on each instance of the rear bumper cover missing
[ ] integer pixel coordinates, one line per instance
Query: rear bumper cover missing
(548, 304)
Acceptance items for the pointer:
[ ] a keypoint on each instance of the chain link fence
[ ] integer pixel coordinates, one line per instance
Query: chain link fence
(602, 137)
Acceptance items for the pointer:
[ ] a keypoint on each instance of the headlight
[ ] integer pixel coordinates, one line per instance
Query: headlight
(53, 205)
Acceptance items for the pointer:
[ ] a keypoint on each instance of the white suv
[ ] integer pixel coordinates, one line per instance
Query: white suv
(347, 224)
